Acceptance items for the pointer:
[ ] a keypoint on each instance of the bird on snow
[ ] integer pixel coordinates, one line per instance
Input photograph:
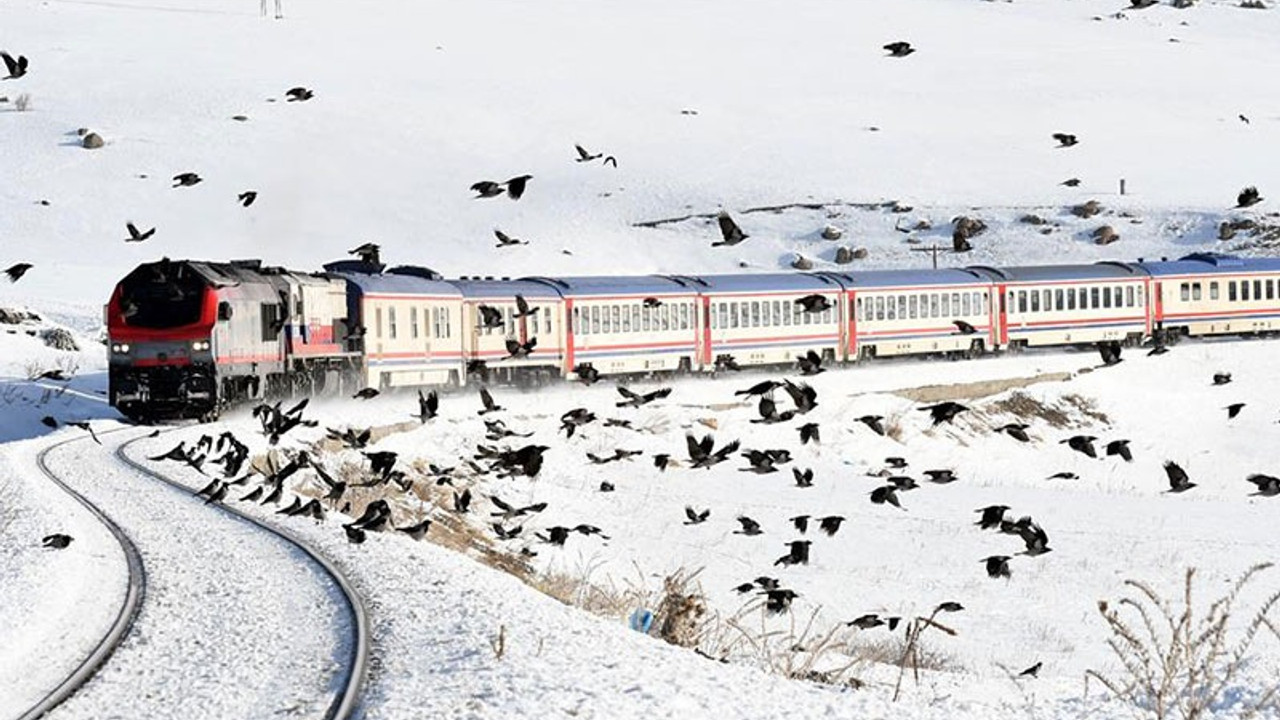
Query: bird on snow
(749, 526)
(1070, 182)
(941, 477)
(798, 553)
(247, 197)
(1035, 538)
(16, 67)
(16, 271)
(1178, 480)
(1064, 475)
(778, 601)
(810, 363)
(418, 531)
(586, 374)
(428, 405)
(365, 394)
(729, 231)
(135, 235)
(1034, 670)
(1065, 140)
(1221, 378)
(298, 94)
(186, 179)
(900, 48)
(57, 541)
(1110, 352)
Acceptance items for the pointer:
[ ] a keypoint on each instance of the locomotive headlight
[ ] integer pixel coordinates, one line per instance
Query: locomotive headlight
(121, 348)
(200, 345)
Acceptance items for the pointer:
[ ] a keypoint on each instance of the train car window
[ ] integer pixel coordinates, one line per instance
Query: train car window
(1195, 291)
(1093, 297)
(1244, 290)
(982, 297)
(934, 310)
(297, 308)
(902, 307)
(1231, 291)
(1213, 290)
(377, 317)
(1084, 297)
(946, 305)
(444, 320)
(1271, 290)
(1106, 297)
(1071, 299)
(891, 310)
(391, 323)
(626, 320)
(913, 307)
(721, 317)
(1022, 301)
(546, 320)
(879, 303)
(595, 320)
(617, 318)
(271, 321)
(684, 316)
(1129, 296)
(663, 321)
(1184, 291)
(754, 309)
(766, 313)
(1257, 289)
(577, 321)
(733, 314)
(1057, 299)
(1035, 302)
(413, 323)
(1048, 300)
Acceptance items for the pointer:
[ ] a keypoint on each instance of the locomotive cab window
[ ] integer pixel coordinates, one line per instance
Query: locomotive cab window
(271, 321)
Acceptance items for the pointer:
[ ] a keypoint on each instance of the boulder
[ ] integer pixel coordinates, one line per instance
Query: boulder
(92, 141)
(802, 263)
(831, 232)
(59, 339)
(1087, 210)
(1105, 235)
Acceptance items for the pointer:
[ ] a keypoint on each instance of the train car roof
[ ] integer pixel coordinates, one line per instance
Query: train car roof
(1208, 264)
(369, 282)
(640, 285)
(488, 287)
(1109, 270)
(761, 282)
(907, 278)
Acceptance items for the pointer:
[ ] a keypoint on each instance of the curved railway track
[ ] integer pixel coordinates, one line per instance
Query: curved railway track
(347, 684)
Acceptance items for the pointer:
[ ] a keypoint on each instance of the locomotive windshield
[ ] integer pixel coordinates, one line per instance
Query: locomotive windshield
(162, 295)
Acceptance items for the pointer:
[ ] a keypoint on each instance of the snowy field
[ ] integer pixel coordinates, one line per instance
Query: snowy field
(705, 106)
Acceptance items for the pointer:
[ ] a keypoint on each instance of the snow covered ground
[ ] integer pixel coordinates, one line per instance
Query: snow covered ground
(705, 106)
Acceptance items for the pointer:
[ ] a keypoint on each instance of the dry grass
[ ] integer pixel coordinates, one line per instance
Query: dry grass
(975, 390)
(1180, 662)
(1064, 414)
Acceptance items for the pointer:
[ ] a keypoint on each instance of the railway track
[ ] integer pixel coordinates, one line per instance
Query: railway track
(215, 606)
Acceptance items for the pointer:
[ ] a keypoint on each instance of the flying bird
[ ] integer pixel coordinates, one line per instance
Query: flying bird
(810, 363)
(992, 516)
(517, 350)
(696, 517)
(886, 494)
(505, 240)
(1034, 537)
(899, 48)
(17, 68)
(523, 309)
(1065, 140)
(1248, 197)
(763, 387)
(830, 524)
(1178, 480)
(135, 235)
(1121, 448)
(814, 303)
(486, 399)
(427, 405)
(944, 411)
(803, 478)
(1071, 182)
(809, 431)
(997, 566)
(367, 253)
(963, 327)
(247, 197)
(800, 523)
(57, 541)
(298, 94)
(1081, 444)
(1221, 378)
(584, 156)
(516, 185)
(635, 400)
(15, 272)
(749, 526)
(729, 231)
(1017, 431)
(490, 317)
(1268, 486)
(186, 179)
(487, 189)
(1234, 409)
(873, 422)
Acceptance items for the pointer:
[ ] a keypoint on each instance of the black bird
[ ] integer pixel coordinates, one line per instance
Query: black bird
(252, 495)
(461, 502)
(556, 535)
(381, 463)
(944, 411)
(618, 422)
(586, 374)
(745, 588)
(727, 362)
(1035, 538)
(661, 461)
(1110, 352)
(186, 179)
(365, 394)
(135, 235)
(635, 400)
(428, 405)
(814, 303)
(507, 511)
(963, 327)
(1065, 140)
(998, 566)
(762, 462)
(902, 482)
(49, 421)
(1064, 476)
(810, 431)
(1248, 197)
(729, 230)
(866, 622)
(516, 185)
(247, 197)
(830, 524)
(584, 156)
(700, 451)
(804, 396)
(1081, 444)
(584, 529)
(490, 317)
(1178, 480)
(941, 477)
(652, 302)
(896, 463)
(574, 419)
(810, 363)
(610, 160)
(1032, 671)
(505, 240)
(803, 479)
(83, 425)
(418, 531)
(873, 422)
(749, 526)
(55, 374)
(778, 601)
(298, 94)
(293, 508)
(992, 516)
(886, 494)
(800, 523)
(900, 48)
(1221, 378)
(355, 535)
(17, 68)
(798, 553)
(1017, 431)
(523, 309)
(1268, 486)
(517, 350)
(487, 400)
(1121, 448)
(213, 492)
(769, 414)
(695, 516)
(1071, 182)
(1234, 409)
(367, 253)
(15, 272)
(487, 189)
(764, 387)
(1243, 119)
(505, 533)
(57, 541)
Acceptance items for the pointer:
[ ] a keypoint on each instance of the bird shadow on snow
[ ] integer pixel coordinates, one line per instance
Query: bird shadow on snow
(24, 404)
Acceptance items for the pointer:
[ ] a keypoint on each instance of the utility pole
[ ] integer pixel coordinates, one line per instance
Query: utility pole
(934, 248)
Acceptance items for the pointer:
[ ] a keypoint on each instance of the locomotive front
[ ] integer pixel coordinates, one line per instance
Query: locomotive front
(160, 323)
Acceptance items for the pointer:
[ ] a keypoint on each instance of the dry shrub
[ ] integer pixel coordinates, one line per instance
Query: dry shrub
(1061, 414)
(1178, 662)
(799, 651)
(22, 103)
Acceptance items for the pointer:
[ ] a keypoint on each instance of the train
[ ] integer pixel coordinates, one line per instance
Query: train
(190, 338)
